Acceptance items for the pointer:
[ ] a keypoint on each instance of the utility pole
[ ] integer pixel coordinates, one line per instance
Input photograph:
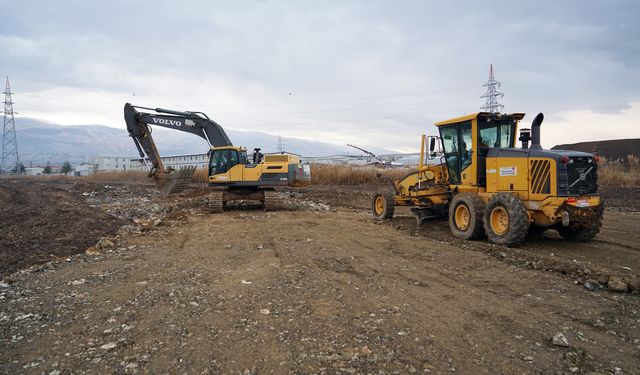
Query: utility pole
(492, 94)
(10, 158)
(280, 144)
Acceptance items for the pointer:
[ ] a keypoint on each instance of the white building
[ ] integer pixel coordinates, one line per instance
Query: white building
(125, 163)
(195, 160)
(35, 171)
(84, 169)
(112, 163)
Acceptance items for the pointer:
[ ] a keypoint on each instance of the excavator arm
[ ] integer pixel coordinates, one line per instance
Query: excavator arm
(197, 123)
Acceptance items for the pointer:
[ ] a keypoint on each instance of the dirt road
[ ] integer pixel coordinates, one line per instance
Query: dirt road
(322, 289)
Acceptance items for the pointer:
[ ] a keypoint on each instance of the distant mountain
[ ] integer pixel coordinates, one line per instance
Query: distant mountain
(39, 142)
(612, 149)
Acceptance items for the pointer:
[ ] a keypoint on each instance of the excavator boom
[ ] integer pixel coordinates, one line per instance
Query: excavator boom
(197, 123)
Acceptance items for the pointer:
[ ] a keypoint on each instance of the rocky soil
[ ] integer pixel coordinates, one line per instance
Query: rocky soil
(320, 288)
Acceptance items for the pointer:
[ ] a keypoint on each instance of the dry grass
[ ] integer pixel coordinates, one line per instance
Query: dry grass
(619, 173)
(610, 173)
(200, 176)
(324, 174)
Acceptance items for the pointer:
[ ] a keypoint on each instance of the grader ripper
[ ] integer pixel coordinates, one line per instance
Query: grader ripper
(488, 187)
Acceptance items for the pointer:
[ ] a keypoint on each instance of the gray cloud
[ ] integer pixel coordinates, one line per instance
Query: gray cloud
(241, 61)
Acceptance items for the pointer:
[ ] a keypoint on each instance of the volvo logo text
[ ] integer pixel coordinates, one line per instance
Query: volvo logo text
(164, 121)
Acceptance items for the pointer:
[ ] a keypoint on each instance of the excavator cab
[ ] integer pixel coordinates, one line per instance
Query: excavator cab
(230, 173)
(223, 159)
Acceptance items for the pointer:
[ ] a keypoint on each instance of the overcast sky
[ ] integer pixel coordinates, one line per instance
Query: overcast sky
(365, 72)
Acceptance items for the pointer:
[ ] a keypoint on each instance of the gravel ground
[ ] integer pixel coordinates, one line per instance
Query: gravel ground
(320, 288)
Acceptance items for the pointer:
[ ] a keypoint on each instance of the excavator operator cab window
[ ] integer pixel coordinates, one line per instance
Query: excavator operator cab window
(223, 160)
(242, 157)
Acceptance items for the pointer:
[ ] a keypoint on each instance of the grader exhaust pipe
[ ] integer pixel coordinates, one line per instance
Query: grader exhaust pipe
(535, 132)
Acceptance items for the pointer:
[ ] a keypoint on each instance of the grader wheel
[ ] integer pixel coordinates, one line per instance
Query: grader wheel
(506, 221)
(383, 206)
(465, 216)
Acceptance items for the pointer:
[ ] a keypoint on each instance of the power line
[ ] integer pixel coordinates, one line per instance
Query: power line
(459, 110)
(58, 97)
(348, 109)
(366, 98)
(251, 114)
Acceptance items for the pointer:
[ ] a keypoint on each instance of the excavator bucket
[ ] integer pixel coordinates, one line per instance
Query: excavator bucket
(176, 180)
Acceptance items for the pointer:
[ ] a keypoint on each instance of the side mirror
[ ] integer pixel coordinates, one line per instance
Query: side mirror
(432, 145)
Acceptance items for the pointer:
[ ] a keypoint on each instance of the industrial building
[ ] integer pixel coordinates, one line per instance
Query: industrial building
(126, 163)
(175, 162)
(84, 169)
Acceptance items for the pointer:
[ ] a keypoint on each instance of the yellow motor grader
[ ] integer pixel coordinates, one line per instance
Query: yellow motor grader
(488, 187)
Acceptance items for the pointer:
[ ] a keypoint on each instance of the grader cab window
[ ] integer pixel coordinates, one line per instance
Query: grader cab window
(506, 134)
(495, 134)
(466, 146)
(457, 143)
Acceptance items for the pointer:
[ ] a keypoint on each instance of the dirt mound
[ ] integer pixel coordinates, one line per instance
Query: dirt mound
(615, 149)
(41, 221)
(621, 198)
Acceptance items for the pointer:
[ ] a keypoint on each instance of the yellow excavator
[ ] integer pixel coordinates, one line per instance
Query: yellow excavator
(233, 175)
(489, 187)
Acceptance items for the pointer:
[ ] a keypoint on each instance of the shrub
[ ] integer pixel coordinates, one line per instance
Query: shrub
(325, 174)
(619, 173)
(200, 176)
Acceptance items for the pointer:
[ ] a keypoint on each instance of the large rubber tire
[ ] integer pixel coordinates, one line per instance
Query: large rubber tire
(512, 230)
(583, 232)
(383, 206)
(465, 216)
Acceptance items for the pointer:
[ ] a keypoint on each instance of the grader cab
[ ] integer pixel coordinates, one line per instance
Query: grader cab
(488, 187)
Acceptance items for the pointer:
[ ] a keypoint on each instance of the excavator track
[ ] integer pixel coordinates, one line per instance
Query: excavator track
(216, 202)
(179, 180)
(273, 200)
